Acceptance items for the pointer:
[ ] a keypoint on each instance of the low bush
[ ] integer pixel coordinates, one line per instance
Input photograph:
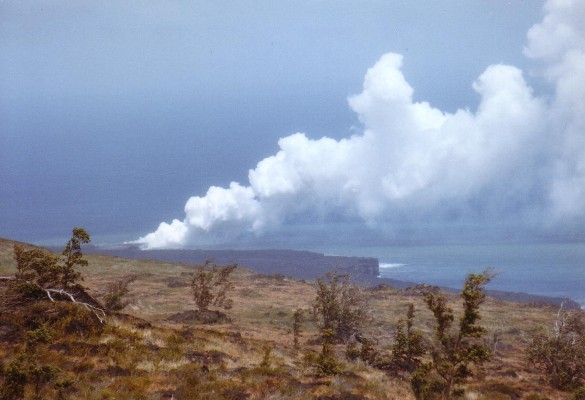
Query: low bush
(454, 350)
(561, 352)
(115, 297)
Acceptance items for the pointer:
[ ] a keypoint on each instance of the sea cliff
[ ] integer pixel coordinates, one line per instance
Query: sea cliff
(298, 264)
(303, 265)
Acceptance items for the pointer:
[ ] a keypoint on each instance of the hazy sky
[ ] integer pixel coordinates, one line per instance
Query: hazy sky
(439, 116)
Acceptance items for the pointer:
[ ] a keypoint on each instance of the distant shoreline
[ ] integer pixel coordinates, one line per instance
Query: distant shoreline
(306, 265)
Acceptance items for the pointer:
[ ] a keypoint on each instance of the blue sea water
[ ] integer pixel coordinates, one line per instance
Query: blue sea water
(549, 269)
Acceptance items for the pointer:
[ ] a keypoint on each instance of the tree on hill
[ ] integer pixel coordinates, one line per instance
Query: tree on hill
(44, 275)
(47, 270)
(340, 306)
(408, 345)
(36, 266)
(341, 312)
(73, 258)
(115, 297)
(453, 352)
(211, 285)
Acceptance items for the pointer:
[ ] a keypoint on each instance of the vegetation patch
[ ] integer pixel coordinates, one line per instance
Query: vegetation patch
(233, 334)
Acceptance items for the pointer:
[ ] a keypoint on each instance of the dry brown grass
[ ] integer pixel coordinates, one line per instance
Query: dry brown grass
(224, 360)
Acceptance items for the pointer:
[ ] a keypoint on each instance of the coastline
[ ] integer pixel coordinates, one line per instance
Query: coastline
(311, 265)
(520, 297)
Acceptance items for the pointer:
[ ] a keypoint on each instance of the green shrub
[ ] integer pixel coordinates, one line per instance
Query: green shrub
(368, 352)
(15, 380)
(340, 306)
(560, 353)
(26, 369)
(210, 286)
(453, 352)
(40, 335)
(116, 293)
(352, 351)
(45, 270)
(425, 385)
(327, 364)
(298, 318)
(408, 344)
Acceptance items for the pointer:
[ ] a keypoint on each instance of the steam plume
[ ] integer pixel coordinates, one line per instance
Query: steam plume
(517, 157)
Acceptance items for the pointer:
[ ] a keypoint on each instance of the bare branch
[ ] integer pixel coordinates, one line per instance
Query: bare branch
(88, 306)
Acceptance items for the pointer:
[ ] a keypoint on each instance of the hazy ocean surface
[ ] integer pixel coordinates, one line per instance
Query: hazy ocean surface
(548, 269)
(556, 270)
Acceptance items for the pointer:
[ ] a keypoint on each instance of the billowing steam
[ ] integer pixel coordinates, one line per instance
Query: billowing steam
(518, 157)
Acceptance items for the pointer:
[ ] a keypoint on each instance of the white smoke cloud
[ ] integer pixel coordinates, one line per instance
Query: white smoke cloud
(518, 156)
(559, 43)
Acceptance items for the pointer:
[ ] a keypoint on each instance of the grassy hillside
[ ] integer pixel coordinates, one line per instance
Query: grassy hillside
(143, 354)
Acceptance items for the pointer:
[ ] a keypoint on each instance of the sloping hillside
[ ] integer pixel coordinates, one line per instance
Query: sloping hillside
(145, 353)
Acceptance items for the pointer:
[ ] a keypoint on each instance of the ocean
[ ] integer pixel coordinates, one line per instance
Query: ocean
(548, 269)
